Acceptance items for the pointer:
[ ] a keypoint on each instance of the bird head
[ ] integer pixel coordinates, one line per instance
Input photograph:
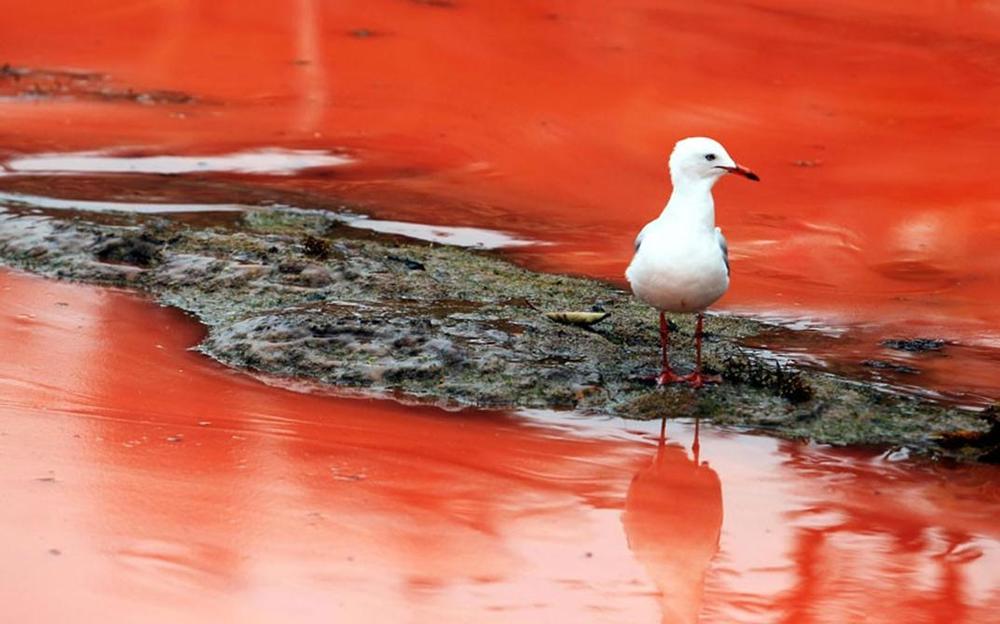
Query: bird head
(702, 158)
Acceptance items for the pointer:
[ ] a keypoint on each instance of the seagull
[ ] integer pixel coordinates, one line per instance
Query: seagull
(681, 261)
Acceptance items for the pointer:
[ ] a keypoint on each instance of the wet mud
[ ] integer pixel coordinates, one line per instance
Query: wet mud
(302, 294)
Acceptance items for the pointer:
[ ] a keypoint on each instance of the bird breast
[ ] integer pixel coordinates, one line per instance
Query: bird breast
(678, 273)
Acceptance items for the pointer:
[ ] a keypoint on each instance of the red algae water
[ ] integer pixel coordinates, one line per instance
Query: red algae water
(143, 482)
(873, 126)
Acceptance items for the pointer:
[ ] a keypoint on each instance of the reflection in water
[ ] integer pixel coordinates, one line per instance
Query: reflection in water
(444, 234)
(53, 203)
(271, 161)
(868, 551)
(191, 493)
(457, 236)
(312, 68)
(196, 494)
(673, 516)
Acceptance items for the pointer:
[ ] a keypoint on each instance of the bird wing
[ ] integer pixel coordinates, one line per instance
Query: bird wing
(642, 233)
(722, 245)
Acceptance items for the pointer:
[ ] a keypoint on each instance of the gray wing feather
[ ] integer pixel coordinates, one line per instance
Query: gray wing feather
(642, 234)
(724, 247)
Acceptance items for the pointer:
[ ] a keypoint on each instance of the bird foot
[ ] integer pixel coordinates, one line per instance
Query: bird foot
(698, 379)
(668, 376)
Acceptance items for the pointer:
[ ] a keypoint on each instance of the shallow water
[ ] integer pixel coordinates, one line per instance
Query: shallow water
(872, 125)
(140, 477)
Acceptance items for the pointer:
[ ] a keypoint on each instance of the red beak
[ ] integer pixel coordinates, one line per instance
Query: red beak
(743, 171)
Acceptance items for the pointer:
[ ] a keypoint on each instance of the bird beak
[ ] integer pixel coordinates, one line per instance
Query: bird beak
(743, 171)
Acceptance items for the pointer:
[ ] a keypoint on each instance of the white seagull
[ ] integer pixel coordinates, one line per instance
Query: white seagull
(681, 261)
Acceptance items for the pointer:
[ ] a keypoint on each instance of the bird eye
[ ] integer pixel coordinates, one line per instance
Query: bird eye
(709, 157)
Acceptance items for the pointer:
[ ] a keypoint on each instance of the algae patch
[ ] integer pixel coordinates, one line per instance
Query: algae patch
(294, 293)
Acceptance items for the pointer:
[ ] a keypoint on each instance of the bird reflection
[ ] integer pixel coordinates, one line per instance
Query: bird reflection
(673, 517)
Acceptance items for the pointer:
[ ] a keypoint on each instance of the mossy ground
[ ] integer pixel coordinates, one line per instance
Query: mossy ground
(298, 293)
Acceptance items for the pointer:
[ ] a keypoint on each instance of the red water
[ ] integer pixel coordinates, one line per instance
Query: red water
(873, 126)
(143, 482)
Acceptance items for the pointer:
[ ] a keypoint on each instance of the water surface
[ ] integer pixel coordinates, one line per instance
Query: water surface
(142, 478)
(142, 481)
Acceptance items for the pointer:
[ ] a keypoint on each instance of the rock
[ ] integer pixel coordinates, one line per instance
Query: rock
(129, 249)
(315, 276)
(891, 366)
(914, 345)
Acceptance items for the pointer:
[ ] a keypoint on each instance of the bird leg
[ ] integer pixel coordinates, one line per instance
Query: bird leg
(667, 375)
(697, 379)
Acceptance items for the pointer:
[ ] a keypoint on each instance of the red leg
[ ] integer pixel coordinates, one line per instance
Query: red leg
(696, 444)
(667, 375)
(697, 379)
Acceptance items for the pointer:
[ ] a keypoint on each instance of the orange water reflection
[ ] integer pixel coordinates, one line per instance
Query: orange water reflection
(143, 481)
(673, 518)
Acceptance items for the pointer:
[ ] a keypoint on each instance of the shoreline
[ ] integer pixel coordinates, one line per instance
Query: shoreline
(301, 294)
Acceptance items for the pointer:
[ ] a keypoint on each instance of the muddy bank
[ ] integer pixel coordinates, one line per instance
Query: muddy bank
(302, 294)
